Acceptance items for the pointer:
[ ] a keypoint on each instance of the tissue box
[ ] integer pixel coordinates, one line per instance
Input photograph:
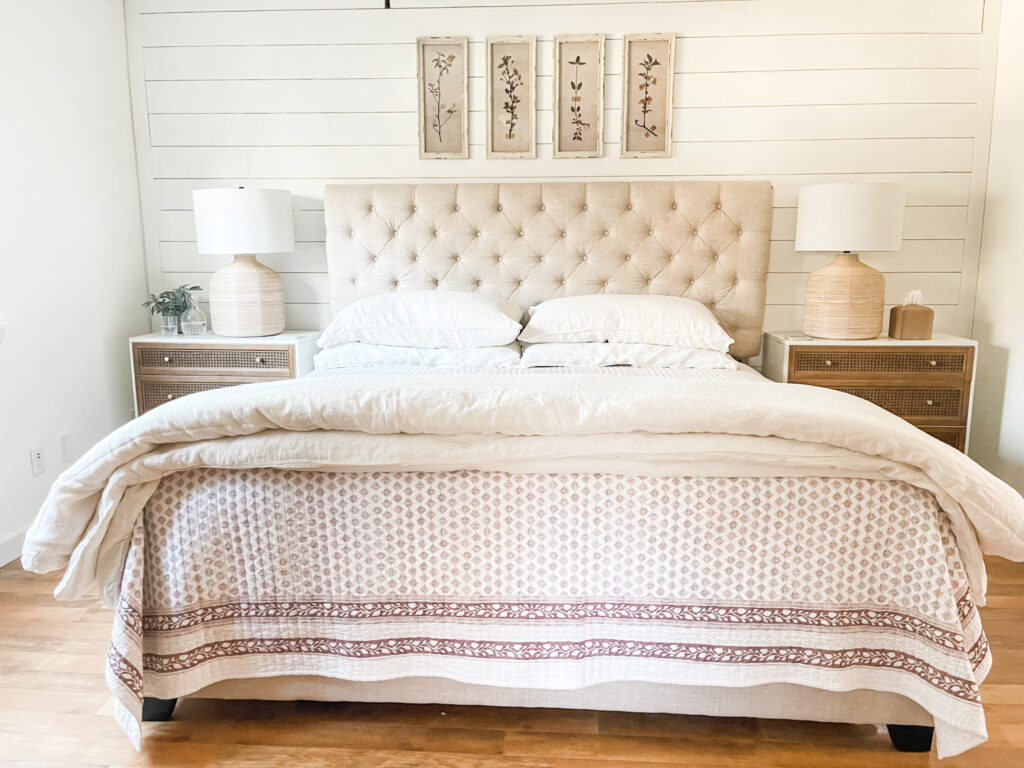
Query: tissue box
(911, 321)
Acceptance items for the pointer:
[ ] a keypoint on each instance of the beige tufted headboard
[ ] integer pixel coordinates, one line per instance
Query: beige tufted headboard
(529, 242)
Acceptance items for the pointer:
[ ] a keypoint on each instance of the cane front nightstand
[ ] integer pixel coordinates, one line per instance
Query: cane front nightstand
(168, 367)
(929, 383)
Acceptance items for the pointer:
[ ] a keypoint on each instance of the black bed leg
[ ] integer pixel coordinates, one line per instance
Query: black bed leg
(911, 738)
(157, 710)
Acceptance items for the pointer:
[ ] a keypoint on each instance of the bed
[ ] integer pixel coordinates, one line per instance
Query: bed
(686, 541)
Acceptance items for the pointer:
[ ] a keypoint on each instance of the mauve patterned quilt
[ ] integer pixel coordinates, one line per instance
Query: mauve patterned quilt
(557, 580)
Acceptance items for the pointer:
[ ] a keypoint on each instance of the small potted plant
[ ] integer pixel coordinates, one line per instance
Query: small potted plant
(172, 305)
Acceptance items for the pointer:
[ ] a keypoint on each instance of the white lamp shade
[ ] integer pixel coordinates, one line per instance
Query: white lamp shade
(240, 220)
(850, 217)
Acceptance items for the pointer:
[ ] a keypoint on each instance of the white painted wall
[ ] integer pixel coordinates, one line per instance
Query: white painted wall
(71, 269)
(300, 93)
(997, 439)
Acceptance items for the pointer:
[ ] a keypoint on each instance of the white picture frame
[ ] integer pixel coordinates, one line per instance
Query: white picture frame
(578, 103)
(648, 80)
(511, 87)
(442, 78)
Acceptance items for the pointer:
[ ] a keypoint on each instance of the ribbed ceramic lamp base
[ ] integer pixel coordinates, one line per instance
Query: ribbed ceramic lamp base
(844, 300)
(246, 299)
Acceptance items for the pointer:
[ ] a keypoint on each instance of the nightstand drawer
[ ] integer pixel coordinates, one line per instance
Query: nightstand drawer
(954, 436)
(154, 393)
(815, 363)
(918, 405)
(209, 360)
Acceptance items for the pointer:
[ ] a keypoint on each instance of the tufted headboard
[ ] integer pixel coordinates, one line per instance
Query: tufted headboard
(529, 242)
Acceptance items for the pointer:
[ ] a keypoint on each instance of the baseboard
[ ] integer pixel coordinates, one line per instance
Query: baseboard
(10, 546)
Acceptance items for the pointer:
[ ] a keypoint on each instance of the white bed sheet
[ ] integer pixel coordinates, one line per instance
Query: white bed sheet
(743, 373)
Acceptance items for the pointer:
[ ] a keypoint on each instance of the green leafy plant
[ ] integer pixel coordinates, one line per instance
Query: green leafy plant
(175, 302)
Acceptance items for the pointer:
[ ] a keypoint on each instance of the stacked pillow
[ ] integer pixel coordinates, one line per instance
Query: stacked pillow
(641, 330)
(439, 328)
(471, 330)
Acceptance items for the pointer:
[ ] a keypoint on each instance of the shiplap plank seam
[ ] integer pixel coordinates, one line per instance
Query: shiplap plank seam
(718, 18)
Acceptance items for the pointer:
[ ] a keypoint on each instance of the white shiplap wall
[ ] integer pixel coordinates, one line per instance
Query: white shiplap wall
(300, 93)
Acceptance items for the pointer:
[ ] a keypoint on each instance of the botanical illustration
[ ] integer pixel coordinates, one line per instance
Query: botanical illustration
(443, 118)
(511, 100)
(647, 79)
(442, 64)
(579, 96)
(512, 80)
(647, 66)
(576, 84)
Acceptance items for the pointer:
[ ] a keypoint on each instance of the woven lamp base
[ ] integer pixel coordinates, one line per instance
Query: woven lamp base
(246, 299)
(844, 300)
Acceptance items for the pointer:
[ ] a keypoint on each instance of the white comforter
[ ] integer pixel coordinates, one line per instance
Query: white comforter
(588, 421)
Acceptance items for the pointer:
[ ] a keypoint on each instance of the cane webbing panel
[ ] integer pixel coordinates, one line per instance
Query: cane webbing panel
(214, 359)
(878, 361)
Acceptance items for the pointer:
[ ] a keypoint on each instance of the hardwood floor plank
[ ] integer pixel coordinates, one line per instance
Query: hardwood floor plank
(649, 749)
(304, 732)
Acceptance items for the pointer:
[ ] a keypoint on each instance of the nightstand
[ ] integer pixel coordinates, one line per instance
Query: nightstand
(168, 367)
(929, 383)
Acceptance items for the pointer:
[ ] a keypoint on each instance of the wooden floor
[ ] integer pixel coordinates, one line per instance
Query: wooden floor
(55, 710)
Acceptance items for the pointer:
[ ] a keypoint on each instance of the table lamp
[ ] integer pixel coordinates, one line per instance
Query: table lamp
(246, 297)
(845, 299)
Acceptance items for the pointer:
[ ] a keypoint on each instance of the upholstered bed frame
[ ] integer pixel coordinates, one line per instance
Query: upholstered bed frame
(534, 241)
(529, 242)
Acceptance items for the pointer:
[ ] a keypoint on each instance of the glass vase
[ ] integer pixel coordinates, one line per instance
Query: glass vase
(170, 325)
(193, 322)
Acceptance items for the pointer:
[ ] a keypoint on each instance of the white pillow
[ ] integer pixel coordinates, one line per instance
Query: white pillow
(356, 353)
(617, 353)
(667, 320)
(428, 319)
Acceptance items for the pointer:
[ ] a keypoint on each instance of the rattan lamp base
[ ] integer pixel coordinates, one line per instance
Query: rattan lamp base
(844, 300)
(246, 299)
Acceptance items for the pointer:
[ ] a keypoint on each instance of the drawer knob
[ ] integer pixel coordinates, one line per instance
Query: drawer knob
(170, 397)
(167, 358)
(933, 362)
(260, 361)
(828, 362)
(929, 402)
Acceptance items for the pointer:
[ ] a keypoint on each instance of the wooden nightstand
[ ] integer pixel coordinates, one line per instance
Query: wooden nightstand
(168, 367)
(928, 383)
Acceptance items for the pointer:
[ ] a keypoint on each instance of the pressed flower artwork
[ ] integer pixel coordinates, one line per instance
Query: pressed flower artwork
(511, 99)
(579, 96)
(443, 104)
(647, 76)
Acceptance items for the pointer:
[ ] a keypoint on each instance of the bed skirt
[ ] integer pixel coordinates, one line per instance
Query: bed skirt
(777, 701)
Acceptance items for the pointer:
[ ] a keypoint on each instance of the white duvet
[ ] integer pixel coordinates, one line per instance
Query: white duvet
(721, 424)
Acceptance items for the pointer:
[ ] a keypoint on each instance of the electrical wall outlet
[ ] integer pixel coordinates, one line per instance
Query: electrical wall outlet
(38, 461)
(67, 448)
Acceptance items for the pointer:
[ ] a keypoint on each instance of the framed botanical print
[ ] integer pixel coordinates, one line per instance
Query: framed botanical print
(511, 97)
(443, 76)
(648, 64)
(579, 96)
